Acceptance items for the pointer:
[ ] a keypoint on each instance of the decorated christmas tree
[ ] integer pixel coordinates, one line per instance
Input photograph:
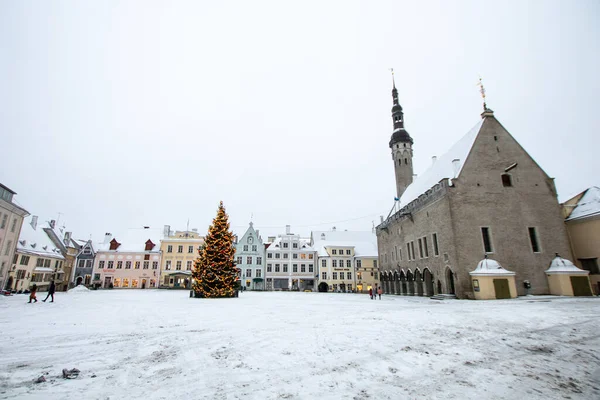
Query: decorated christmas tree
(215, 273)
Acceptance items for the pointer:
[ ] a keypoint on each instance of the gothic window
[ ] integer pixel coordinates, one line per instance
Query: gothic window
(404, 145)
(405, 161)
(506, 180)
(400, 162)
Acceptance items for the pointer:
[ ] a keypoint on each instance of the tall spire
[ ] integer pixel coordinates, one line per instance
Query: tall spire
(397, 114)
(394, 90)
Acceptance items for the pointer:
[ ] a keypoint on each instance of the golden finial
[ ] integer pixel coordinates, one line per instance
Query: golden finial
(482, 91)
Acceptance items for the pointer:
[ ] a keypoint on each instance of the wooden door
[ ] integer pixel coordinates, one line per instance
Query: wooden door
(581, 286)
(501, 288)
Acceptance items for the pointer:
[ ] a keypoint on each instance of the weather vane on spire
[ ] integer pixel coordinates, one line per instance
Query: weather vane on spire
(393, 81)
(482, 91)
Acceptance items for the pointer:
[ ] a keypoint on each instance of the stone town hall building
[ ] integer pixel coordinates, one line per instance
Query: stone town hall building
(485, 196)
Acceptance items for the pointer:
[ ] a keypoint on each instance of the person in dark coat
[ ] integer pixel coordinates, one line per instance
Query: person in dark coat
(51, 291)
(371, 293)
(32, 293)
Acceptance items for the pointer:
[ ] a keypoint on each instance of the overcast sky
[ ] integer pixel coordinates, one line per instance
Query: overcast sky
(119, 114)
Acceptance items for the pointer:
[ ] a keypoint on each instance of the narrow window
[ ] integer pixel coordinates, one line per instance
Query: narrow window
(534, 240)
(420, 248)
(408, 251)
(487, 242)
(405, 161)
(425, 247)
(400, 162)
(506, 180)
(412, 247)
(436, 250)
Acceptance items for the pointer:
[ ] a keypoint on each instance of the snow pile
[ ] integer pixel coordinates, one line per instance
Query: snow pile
(79, 289)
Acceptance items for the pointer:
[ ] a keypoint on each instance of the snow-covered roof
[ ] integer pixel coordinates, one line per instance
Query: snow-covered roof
(442, 168)
(134, 240)
(490, 267)
(560, 265)
(304, 243)
(588, 205)
(364, 242)
(36, 241)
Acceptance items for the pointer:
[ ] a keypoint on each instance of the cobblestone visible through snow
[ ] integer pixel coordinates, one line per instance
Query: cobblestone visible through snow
(155, 344)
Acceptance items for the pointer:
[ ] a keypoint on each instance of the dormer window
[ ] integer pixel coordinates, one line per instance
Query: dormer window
(506, 180)
(114, 244)
(150, 245)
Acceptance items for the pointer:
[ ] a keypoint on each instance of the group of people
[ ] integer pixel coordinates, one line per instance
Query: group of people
(374, 291)
(51, 290)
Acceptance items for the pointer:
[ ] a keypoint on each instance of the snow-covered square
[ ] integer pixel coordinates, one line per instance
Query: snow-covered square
(163, 345)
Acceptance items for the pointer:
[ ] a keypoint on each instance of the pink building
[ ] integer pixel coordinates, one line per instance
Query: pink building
(129, 261)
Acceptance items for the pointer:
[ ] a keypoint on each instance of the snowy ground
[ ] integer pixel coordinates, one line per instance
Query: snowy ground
(134, 344)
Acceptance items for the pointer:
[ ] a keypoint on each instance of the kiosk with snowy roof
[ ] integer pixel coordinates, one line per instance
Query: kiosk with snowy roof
(491, 281)
(565, 279)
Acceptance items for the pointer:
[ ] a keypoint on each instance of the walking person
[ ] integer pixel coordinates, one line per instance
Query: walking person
(379, 291)
(32, 293)
(51, 291)
(371, 292)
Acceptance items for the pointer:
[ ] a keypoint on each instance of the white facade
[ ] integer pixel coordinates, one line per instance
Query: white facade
(250, 259)
(345, 260)
(37, 261)
(291, 264)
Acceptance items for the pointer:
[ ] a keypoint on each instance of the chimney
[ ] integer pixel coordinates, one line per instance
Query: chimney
(68, 238)
(270, 239)
(166, 230)
(381, 218)
(107, 237)
(257, 233)
(287, 229)
(235, 239)
(52, 224)
(34, 221)
(333, 229)
(456, 167)
(433, 160)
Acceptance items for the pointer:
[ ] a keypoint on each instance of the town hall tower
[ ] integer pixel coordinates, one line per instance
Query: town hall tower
(401, 145)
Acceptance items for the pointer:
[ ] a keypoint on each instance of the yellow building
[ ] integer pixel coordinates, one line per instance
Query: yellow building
(582, 218)
(179, 251)
(366, 273)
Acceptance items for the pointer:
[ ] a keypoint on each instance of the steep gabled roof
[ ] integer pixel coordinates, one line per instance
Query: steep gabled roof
(36, 241)
(588, 205)
(443, 167)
